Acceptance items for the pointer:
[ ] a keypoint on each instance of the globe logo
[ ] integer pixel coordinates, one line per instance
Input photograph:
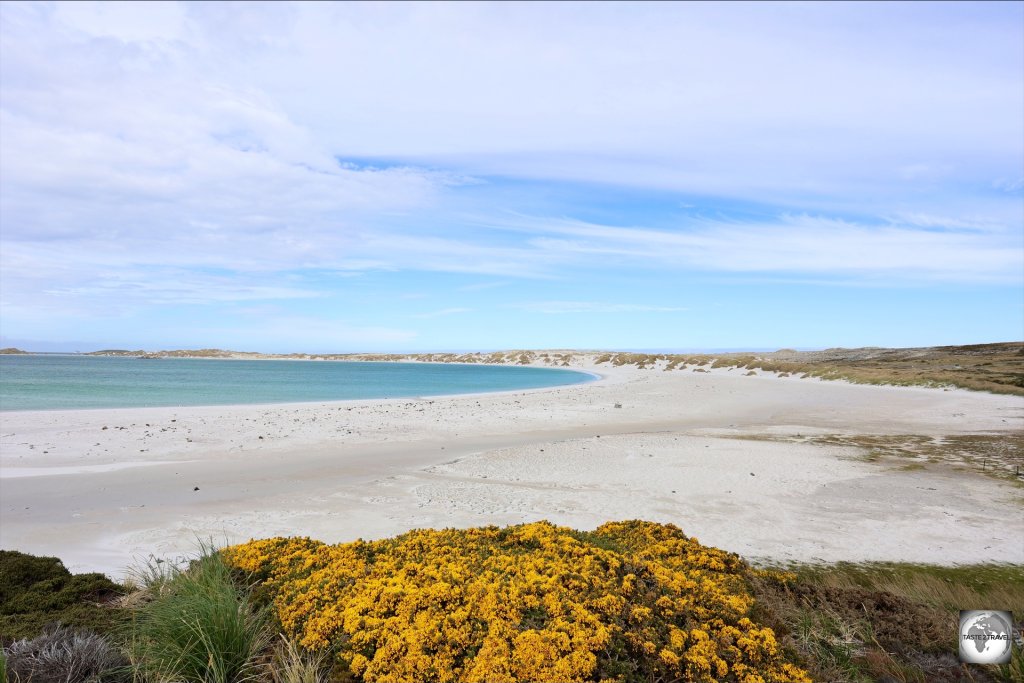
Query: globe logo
(985, 636)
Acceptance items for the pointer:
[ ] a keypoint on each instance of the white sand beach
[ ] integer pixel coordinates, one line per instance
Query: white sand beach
(737, 461)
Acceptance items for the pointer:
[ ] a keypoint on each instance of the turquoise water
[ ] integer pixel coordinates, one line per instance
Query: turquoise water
(48, 382)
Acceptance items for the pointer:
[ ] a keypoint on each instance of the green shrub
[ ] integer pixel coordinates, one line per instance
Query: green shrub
(37, 591)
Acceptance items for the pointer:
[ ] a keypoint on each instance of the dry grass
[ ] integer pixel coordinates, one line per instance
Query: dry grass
(951, 588)
(997, 368)
(291, 664)
(998, 455)
(898, 622)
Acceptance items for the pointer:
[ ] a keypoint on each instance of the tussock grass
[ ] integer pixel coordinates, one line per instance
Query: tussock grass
(292, 664)
(199, 626)
(830, 642)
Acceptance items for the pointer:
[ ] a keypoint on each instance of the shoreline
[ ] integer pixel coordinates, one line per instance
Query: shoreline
(740, 462)
(593, 375)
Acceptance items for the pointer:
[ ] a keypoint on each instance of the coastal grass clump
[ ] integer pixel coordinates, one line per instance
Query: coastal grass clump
(293, 664)
(630, 601)
(198, 625)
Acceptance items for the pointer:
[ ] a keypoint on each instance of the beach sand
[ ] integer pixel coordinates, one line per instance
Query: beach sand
(738, 461)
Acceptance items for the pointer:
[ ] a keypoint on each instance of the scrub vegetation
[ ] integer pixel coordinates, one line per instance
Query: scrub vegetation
(996, 368)
(997, 455)
(37, 591)
(629, 601)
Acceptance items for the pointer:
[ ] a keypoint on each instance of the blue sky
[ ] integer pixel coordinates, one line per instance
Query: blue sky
(415, 177)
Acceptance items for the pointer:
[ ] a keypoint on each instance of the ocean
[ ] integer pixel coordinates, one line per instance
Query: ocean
(50, 382)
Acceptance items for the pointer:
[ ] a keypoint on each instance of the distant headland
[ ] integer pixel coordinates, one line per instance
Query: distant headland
(997, 367)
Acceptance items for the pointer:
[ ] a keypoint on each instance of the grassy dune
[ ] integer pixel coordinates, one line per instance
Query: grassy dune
(997, 368)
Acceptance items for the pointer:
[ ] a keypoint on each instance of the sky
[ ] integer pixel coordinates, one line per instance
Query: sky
(403, 177)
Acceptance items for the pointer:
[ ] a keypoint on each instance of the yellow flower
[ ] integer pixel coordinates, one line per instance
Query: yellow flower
(529, 602)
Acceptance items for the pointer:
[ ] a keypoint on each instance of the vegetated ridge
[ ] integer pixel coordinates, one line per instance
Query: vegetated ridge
(630, 602)
(996, 368)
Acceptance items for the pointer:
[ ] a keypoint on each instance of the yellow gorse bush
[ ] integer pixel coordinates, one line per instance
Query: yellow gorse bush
(630, 601)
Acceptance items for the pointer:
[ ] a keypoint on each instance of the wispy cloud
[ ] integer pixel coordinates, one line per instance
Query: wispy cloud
(917, 219)
(797, 244)
(479, 286)
(560, 307)
(1009, 185)
(441, 313)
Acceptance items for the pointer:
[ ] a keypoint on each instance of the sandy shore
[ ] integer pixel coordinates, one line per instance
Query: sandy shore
(705, 450)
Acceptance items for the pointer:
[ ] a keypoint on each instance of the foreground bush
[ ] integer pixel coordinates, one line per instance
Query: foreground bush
(632, 601)
(36, 591)
(65, 655)
(199, 627)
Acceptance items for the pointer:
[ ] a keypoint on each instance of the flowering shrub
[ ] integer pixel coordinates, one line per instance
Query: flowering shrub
(630, 601)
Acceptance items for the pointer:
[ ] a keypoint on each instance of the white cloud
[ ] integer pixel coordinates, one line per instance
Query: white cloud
(926, 220)
(732, 100)
(728, 100)
(156, 154)
(128, 21)
(794, 244)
